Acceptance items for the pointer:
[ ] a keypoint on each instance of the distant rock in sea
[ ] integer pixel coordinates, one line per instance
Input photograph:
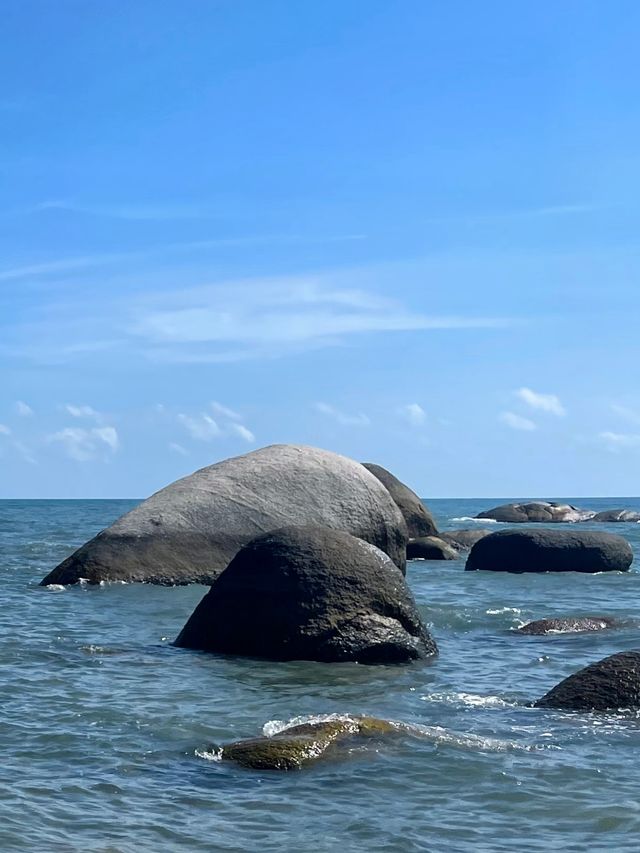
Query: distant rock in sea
(538, 511)
(189, 531)
(464, 540)
(310, 593)
(568, 625)
(418, 518)
(610, 684)
(546, 512)
(551, 550)
(431, 548)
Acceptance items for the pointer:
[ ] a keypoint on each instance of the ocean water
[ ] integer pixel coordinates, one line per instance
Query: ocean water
(108, 734)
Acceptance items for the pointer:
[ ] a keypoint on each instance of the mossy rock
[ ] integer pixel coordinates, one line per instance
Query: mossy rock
(298, 746)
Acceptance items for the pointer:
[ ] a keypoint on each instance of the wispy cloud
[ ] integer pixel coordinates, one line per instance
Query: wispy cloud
(414, 414)
(617, 441)
(4, 430)
(542, 402)
(201, 427)
(82, 412)
(275, 317)
(178, 448)
(341, 417)
(243, 432)
(85, 444)
(514, 421)
(627, 413)
(21, 408)
(225, 411)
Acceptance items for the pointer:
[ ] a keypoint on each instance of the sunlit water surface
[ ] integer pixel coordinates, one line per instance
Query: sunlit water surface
(108, 731)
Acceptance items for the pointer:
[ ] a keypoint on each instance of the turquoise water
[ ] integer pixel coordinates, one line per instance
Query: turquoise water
(108, 732)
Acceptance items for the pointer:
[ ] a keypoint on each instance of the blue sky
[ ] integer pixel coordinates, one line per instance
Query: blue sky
(407, 232)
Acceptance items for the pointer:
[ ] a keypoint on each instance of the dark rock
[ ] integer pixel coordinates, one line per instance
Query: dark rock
(310, 593)
(431, 548)
(189, 531)
(568, 625)
(418, 518)
(464, 540)
(548, 550)
(297, 746)
(614, 515)
(538, 511)
(610, 684)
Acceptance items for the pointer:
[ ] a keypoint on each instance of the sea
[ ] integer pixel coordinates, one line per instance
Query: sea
(110, 737)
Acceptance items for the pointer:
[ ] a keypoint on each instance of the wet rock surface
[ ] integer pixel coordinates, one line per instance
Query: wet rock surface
(609, 684)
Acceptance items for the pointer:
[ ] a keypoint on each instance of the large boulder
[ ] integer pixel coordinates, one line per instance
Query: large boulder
(464, 540)
(545, 550)
(538, 511)
(610, 684)
(189, 531)
(418, 518)
(310, 593)
(431, 548)
(614, 515)
(568, 625)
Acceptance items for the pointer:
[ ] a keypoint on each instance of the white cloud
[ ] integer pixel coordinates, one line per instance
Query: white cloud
(628, 414)
(83, 444)
(4, 430)
(202, 427)
(542, 402)
(260, 318)
(109, 435)
(22, 409)
(178, 448)
(414, 414)
(340, 417)
(517, 422)
(619, 441)
(224, 411)
(243, 432)
(82, 412)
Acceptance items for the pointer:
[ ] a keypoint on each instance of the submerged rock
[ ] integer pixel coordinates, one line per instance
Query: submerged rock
(551, 551)
(614, 515)
(464, 540)
(297, 746)
(568, 625)
(310, 593)
(538, 511)
(189, 531)
(610, 684)
(418, 518)
(430, 548)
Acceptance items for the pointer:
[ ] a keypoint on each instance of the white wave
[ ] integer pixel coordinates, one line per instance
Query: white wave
(213, 754)
(471, 700)
(274, 727)
(55, 587)
(515, 610)
(477, 520)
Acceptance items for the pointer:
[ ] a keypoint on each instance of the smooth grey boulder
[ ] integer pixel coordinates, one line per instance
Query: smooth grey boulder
(610, 684)
(614, 515)
(418, 518)
(464, 540)
(536, 511)
(310, 593)
(430, 548)
(548, 550)
(568, 625)
(189, 531)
